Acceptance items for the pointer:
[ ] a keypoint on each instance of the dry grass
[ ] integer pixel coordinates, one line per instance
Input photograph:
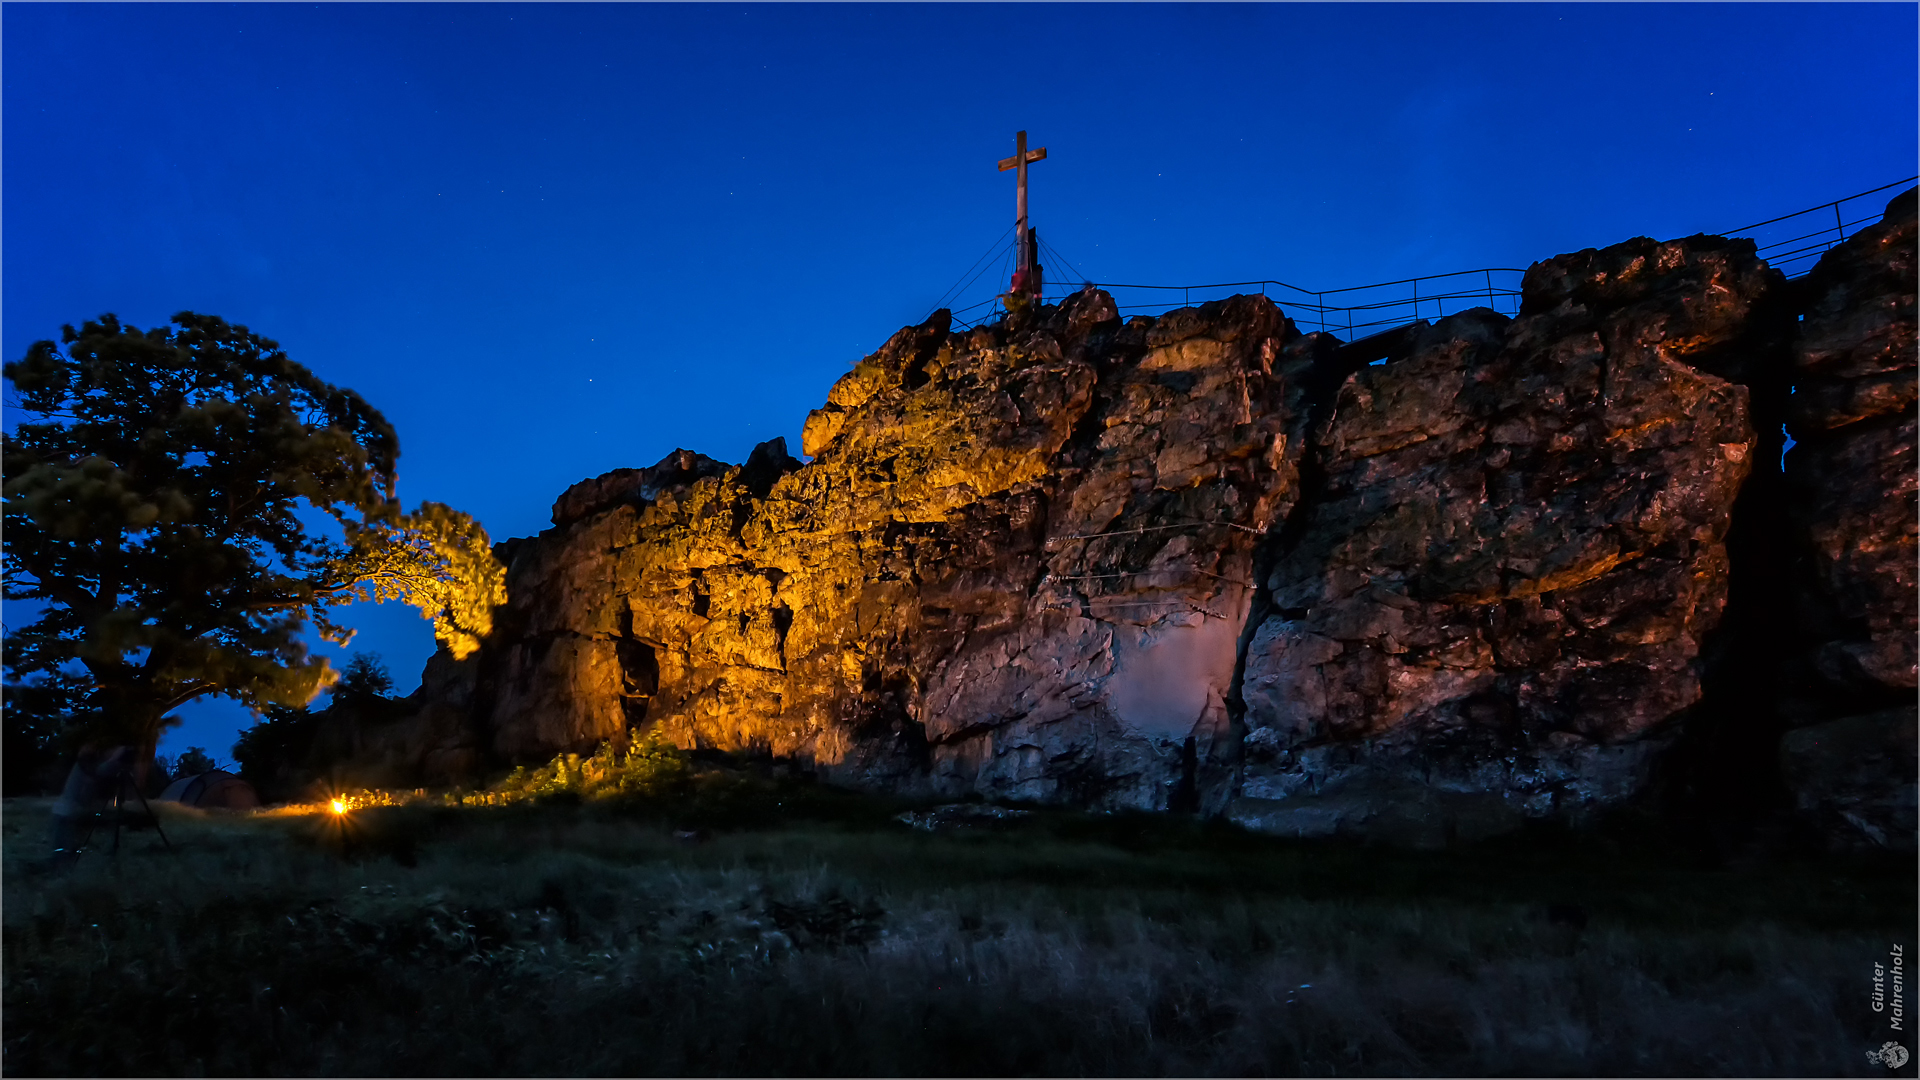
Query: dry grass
(581, 939)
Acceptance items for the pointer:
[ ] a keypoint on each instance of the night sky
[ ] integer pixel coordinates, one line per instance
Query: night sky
(552, 240)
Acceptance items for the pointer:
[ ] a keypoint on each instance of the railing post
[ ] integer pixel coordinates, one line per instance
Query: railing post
(1839, 223)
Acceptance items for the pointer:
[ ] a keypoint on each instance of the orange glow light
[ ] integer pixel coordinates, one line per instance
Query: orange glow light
(339, 806)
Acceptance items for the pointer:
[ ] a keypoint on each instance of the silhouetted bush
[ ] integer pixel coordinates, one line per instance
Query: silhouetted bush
(274, 754)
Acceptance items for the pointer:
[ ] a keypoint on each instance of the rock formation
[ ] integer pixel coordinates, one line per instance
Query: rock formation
(1496, 600)
(1852, 467)
(1018, 564)
(1851, 478)
(1421, 586)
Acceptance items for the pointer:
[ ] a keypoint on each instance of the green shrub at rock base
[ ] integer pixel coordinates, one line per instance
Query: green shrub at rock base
(647, 769)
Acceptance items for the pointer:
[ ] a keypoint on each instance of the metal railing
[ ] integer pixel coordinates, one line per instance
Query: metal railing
(1792, 243)
(1355, 310)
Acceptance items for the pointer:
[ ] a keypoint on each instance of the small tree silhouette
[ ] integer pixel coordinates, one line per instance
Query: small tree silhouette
(364, 682)
(195, 761)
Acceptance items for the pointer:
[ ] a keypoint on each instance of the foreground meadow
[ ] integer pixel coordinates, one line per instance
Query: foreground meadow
(767, 927)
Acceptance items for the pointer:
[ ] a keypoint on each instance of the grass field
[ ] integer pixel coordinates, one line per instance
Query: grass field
(757, 927)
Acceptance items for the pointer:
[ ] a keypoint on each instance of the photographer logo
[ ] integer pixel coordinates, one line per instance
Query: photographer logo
(1890, 1054)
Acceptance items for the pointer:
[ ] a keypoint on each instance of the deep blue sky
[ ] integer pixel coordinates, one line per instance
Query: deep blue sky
(552, 240)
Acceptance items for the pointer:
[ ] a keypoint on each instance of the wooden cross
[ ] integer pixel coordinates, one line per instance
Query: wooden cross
(1021, 158)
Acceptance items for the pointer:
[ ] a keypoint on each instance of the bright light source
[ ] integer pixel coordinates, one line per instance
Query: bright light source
(339, 806)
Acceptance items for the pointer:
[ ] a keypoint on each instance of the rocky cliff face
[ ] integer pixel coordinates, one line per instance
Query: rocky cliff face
(1851, 478)
(1019, 564)
(1496, 601)
(1421, 586)
(1852, 469)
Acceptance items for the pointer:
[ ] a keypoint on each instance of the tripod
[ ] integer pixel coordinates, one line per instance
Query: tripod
(121, 815)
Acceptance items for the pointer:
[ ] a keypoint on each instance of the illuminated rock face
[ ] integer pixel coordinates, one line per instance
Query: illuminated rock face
(1851, 478)
(1019, 563)
(1207, 562)
(1852, 469)
(1511, 554)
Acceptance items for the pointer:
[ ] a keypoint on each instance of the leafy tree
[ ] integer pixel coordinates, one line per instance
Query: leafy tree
(437, 559)
(32, 727)
(192, 763)
(274, 753)
(364, 681)
(152, 505)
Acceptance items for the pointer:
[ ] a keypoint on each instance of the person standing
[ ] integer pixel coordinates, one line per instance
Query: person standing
(97, 773)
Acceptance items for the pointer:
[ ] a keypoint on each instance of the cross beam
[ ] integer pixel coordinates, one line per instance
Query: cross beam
(1022, 157)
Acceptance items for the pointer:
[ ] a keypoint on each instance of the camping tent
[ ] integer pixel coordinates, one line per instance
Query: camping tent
(215, 790)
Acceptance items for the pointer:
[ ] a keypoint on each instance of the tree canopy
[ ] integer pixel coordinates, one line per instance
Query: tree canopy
(195, 761)
(364, 680)
(153, 505)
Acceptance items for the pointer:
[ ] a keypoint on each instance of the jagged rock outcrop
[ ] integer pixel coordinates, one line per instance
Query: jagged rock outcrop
(1018, 565)
(1853, 778)
(1498, 593)
(1418, 587)
(1852, 468)
(636, 487)
(1851, 476)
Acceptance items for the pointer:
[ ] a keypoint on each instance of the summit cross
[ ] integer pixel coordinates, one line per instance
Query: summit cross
(1025, 264)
